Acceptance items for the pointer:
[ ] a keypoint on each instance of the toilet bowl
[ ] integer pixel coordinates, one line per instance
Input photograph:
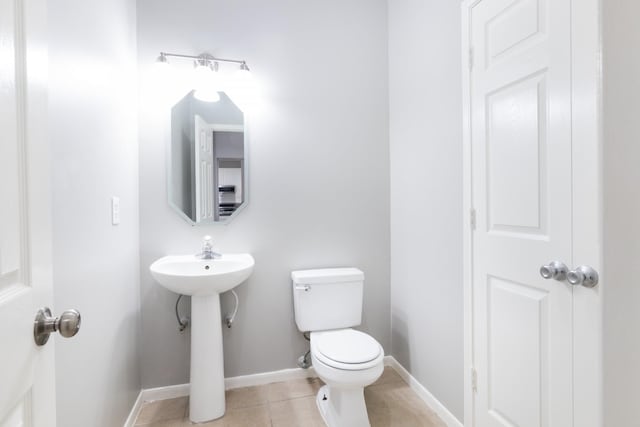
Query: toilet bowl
(347, 361)
(328, 302)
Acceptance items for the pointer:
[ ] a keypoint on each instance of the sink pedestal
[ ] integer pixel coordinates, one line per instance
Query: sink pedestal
(204, 280)
(206, 400)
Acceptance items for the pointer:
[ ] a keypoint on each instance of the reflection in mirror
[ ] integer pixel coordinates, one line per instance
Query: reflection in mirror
(207, 176)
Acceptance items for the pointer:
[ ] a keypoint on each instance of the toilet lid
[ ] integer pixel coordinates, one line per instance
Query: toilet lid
(348, 346)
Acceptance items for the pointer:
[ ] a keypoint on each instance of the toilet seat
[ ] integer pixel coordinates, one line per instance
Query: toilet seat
(346, 349)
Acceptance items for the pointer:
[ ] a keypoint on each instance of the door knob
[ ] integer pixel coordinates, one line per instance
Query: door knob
(554, 270)
(583, 275)
(67, 324)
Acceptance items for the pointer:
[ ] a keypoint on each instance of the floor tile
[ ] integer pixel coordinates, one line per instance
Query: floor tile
(396, 405)
(161, 410)
(255, 416)
(247, 396)
(390, 403)
(294, 389)
(296, 413)
(179, 422)
(389, 375)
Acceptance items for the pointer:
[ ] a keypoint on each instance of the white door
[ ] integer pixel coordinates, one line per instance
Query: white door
(27, 391)
(204, 180)
(521, 163)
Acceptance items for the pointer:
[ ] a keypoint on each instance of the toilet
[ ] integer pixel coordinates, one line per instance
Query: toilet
(328, 303)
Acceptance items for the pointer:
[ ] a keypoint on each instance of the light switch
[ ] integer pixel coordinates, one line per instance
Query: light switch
(115, 210)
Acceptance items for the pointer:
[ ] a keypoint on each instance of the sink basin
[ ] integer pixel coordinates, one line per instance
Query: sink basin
(189, 275)
(204, 280)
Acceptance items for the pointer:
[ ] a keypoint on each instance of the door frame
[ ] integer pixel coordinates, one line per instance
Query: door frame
(587, 210)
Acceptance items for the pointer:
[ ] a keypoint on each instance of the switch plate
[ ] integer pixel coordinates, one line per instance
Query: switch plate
(115, 210)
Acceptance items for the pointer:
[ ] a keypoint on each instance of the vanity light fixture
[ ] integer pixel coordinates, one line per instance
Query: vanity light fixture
(206, 73)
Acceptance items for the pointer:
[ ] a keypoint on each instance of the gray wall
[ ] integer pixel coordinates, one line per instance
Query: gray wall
(621, 151)
(229, 145)
(426, 194)
(95, 156)
(319, 171)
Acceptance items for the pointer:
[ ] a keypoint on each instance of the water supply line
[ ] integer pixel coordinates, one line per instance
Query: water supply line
(304, 361)
(230, 319)
(183, 322)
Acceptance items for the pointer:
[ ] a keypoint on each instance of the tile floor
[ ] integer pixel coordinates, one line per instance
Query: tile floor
(390, 403)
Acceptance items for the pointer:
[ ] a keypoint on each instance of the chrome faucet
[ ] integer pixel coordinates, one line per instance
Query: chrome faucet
(207, 249)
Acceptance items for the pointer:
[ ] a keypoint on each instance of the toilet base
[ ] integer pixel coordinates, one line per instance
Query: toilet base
(342, 407)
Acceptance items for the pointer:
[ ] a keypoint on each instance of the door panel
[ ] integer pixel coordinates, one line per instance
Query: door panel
(16, 295)
(516, 130)
(27, 389)
(10, 251)
(521, 191)
(517, 337)
(19, 416)
(16, 327)
(515, 26)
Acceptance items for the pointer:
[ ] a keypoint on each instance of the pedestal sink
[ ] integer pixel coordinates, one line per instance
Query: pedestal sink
(204, 280)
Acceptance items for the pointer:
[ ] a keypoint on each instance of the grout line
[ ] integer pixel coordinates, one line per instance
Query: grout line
(269, 412)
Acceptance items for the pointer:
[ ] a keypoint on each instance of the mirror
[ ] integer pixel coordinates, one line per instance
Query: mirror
(207, 167)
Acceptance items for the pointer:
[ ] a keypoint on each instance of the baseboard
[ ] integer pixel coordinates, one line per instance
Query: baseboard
(180, 390)
(449, 419)
(268, 377)
(163, 393)
(135, 410)
(151, 394)
(390, 361)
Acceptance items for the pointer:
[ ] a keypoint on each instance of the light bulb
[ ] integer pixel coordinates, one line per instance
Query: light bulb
(206, 87)
(243, 79)
(161, 77)
(242, 87)
(161, 61)
(206, 95)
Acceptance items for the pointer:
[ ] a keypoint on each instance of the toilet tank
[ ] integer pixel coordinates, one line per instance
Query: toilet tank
(328, 298)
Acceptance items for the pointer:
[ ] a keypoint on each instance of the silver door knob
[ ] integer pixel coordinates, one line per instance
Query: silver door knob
(67, 324)
(554, 270)
(583, 275)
